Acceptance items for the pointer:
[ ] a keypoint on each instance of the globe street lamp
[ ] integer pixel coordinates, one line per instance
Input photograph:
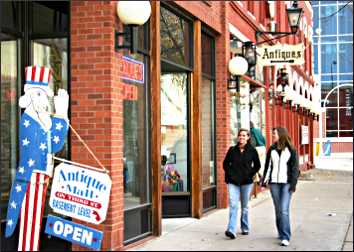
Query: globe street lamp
(132, 14)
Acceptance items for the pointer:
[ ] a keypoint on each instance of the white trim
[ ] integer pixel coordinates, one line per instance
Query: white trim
(233, 30)
(334, 139)
(249, 13)
(262, 26)
(240, 3)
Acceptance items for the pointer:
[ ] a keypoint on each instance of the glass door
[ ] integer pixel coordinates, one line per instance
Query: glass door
(175, 168)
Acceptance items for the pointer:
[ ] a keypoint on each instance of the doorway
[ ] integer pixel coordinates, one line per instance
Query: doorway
(175, 166)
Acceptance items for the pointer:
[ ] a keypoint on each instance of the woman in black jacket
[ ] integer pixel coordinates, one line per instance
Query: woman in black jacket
(281, 172)
(240, 165)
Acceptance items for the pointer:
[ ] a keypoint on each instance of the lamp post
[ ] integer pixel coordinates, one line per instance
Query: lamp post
(132, 14)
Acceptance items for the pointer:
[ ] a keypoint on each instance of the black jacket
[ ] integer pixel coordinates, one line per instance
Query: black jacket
(292, 165)
(241, 167)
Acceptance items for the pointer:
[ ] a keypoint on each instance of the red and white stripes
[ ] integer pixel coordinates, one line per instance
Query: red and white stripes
(38, 74)
(32, 213)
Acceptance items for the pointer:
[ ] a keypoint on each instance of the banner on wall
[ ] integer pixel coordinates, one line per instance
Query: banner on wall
(281, 54)
(304, 134)
(80, 193)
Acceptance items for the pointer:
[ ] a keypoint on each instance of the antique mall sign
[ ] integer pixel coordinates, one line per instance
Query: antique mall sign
(80, 193)
(132, 70)
(281, 54)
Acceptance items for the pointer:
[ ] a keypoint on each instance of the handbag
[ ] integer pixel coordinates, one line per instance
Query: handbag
(257, 178)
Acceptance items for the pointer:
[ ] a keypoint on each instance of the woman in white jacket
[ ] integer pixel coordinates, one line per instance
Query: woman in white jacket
(281, 174)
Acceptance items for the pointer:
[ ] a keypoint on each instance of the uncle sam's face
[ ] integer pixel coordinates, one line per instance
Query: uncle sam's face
(39, 99)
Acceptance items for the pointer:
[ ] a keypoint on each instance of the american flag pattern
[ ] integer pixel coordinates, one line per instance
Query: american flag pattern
(35, 145)
(38, 75)
(32, 213)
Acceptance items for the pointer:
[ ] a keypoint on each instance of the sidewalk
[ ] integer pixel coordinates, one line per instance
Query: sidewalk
(321, 216)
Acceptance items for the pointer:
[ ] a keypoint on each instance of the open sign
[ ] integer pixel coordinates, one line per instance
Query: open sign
(73, 232)
(80, 193)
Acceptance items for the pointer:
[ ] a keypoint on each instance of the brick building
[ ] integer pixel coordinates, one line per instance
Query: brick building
(180, 117)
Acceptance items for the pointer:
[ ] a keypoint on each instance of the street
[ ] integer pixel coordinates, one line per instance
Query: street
(321, 218)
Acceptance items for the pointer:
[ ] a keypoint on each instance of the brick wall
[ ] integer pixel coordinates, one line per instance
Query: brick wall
(96, 103)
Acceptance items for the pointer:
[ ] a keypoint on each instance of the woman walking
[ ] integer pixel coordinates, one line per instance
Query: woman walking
(281, 174)
(240, 165)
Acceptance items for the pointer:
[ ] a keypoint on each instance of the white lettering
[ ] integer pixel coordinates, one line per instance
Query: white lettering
(68, 229)
(58, 227)
(77, 234)
(86, 237)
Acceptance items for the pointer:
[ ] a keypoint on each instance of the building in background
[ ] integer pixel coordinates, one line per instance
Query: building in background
(333, 64)
(160, 120)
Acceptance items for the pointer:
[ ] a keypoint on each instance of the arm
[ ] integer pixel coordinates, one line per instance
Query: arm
(256, 162)
(266, 172)
(294, 170)
(227, 160)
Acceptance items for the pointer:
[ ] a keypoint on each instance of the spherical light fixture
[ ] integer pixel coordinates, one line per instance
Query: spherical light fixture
(133, 12)
(238, 66)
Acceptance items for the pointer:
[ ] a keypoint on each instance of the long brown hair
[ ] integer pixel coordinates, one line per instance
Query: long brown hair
(284, 139)
(247, 132)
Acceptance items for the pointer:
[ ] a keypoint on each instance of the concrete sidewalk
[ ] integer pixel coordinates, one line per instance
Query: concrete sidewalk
(321, 219)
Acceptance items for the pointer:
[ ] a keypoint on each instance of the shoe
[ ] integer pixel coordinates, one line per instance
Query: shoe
(230, 234)
(284, 243)
(245, 232)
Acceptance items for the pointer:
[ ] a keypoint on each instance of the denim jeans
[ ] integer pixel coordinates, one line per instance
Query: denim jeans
(235, 193)
(281, 199)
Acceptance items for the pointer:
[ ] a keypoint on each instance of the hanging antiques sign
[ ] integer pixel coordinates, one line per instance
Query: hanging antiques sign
(132, 70)
(74, 232)
(304, 134)
(80, 193)
(281, 54)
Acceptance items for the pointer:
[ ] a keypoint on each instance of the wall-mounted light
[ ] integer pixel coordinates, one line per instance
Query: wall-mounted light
(132, 14)
(237, 66)
(294, 15)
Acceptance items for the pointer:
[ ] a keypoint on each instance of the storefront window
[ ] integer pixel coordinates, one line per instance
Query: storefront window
(175, 38)
(207, 114)
(9, 113)
(50, 17)
(208, 166)
(135, 173)
(257, 108)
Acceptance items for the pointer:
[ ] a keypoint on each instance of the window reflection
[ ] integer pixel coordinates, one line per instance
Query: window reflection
(174, 147)
(9, 116)
(135, 173)
(175, 36)
(206, 124)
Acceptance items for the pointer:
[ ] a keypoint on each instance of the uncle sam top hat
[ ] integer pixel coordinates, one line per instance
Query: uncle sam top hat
(38, 77)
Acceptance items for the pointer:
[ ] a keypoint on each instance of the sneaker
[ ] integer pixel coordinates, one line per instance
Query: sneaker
(245, 232)
(230, 234)
(284, 243)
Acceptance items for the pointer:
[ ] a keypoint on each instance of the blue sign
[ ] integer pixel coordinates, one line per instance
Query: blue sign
(327, 148)
(73, 232)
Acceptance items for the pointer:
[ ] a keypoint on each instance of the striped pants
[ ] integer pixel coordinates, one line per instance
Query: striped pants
(32, 213)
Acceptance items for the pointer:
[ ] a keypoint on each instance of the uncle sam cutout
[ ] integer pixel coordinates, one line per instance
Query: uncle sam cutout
(41, 135)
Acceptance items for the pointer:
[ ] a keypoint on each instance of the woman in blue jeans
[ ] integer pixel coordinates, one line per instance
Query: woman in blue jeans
(240, 165)
(281, 172)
